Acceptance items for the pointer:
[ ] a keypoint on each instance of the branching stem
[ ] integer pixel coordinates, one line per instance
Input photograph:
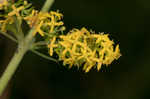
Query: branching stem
(23, 46)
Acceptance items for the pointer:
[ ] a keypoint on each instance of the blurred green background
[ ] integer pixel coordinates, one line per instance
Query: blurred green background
(128, 23)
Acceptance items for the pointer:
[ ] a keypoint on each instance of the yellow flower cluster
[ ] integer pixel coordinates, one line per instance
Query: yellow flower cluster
(36, 19)
(9, 19)
(82, 47)
(46, 20)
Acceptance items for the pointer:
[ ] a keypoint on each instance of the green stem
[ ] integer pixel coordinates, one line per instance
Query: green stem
(23, 46)
(9, 36)
(40, 43)
(11, 68)
(47, 5)
(44, 56)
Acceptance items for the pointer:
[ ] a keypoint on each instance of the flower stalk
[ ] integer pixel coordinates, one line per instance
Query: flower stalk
(23, 47)
(12, 66)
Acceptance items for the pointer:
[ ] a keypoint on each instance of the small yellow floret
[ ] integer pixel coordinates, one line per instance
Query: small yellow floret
(52, 45)
(8, 20)
(31, 18)
(38, 29)
(16, 11)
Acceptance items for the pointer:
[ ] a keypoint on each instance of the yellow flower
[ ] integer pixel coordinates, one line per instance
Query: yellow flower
(8, 20)
(43, 15)
(16, 11)
(52, 45)
(59, 15)
(117, 52)
(31, 18)
(67, 60)
(53, 23)
(87, 66)
(38, 29)
(85, 31)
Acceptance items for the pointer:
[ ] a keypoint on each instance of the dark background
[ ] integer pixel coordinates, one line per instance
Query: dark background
(128, 23)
